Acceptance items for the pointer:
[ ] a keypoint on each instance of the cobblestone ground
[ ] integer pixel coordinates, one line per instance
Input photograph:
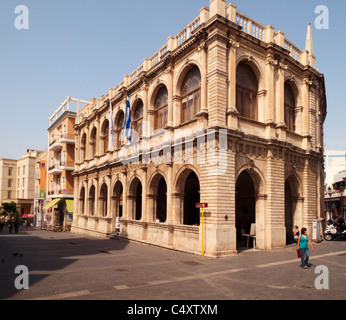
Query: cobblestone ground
(64, 266)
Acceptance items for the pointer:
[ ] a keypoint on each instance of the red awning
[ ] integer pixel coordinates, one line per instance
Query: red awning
(28, 215)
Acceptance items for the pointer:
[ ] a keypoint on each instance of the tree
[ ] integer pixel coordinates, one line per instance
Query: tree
(9, 208)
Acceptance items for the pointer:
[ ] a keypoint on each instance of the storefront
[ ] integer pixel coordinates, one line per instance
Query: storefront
(28, 219)
(60, 213)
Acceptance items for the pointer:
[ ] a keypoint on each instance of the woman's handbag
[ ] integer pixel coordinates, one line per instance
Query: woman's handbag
(298, 253)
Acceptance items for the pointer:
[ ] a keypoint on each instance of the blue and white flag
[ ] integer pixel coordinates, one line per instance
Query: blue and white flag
(128, 122)
(111, 128)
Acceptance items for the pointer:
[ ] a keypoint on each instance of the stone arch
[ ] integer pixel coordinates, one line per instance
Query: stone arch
(250, 202)
(103, 199)
(104, 136)
(183, 72)
(93, 142)
(248, 109)
(291, 80)
(82, 197)
(256, 67)
(256, 175)
(157, 197)
(83, 147)
(117, 198)
(137, 112)
(155, 90)
(134, 200)
(118, 128)
(187, 186)
(294, 203)
(92, 200)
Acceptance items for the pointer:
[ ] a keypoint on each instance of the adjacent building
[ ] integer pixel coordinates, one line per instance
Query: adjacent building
(228, 112)
(8, 180)
(60, 160)
(40, 219)
(335, 183)
(17, 182)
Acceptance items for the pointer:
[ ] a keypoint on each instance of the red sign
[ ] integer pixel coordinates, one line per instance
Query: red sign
(201, 205)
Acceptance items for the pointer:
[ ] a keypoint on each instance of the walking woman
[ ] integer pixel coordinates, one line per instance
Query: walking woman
(303, 246)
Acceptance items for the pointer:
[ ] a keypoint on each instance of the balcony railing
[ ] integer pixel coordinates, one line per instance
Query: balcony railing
(61, 138)
(66, 163)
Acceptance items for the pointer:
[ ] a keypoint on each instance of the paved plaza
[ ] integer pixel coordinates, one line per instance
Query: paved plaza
(64, 266)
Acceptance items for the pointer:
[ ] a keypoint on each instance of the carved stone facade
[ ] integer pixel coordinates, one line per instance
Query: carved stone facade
(207, 139)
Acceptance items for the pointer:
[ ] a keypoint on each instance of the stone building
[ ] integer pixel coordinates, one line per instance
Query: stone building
(17, 182)
(228, 112)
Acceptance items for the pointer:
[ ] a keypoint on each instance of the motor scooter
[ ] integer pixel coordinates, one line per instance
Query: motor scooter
(335, 230)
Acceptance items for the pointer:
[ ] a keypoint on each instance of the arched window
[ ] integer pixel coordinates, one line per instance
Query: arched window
(93, 143)
(82, 201)
(190, 95)
(138, 119)
(161, 108)
(83, 148)
(92, 201)
(118, 129)
(103, 200)
(290, 108)
(247, 91)
(105, 136)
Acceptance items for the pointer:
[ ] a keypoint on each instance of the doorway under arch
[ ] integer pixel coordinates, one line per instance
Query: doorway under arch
(158, 198)
(245, 206)
(191, 197)
(135, 193)
(118, 199)
(293, 206)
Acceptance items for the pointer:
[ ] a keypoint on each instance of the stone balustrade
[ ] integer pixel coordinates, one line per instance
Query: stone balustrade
(257, 30)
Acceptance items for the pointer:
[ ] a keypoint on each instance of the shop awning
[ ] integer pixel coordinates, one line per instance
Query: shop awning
(69, 205)
(28, 215)
(51, 204)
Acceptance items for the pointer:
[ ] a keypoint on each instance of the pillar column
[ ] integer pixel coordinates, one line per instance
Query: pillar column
(280, 97)
(217, 77)
(232, 112)
(169, 72)
(169, 209)
(109, 196)
(305, 114)
(275, 209)
(145, 213)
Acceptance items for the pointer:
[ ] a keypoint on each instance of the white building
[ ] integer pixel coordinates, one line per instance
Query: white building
(335, 162)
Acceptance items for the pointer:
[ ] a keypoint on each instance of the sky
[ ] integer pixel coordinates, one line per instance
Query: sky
(81, 48)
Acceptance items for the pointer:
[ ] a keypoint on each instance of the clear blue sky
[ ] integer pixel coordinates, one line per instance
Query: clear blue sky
(81, 48)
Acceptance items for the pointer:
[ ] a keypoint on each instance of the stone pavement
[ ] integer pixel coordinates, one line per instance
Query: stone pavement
(64, 266)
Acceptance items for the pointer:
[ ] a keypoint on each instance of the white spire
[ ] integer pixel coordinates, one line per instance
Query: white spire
(309, 46)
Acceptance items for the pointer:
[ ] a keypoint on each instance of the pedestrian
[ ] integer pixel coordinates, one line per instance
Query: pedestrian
(295, 233)
(16, 225)
(9, 224)
(303, 247)
(1, 225)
